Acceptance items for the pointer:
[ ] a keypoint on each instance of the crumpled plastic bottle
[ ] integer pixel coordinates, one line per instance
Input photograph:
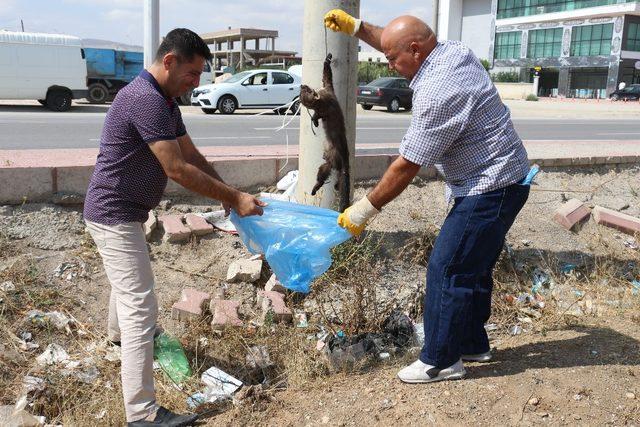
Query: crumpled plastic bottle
(169, 354)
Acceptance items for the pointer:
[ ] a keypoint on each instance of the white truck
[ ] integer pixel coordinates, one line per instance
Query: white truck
(48, 67)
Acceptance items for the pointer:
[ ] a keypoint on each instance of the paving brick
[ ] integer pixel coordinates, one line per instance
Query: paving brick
(150, 225)
(198, 225)
(244, 270)
(191, 305)
(225, 313)
(274, 284)
(274, 302)
(623, 222)
(572, 214)
(174, 229)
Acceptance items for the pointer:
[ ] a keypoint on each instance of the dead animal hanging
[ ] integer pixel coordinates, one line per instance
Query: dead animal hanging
(336, 154)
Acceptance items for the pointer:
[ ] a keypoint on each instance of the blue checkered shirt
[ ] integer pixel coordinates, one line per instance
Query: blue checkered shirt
(461, 126)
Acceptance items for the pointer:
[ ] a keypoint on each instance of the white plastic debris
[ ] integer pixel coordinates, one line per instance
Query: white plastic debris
(54, 353)
(258, 357)
(515, 330)
(219, 221)
(7, 286)
(219, 386)
(55, 318)
(287, 181)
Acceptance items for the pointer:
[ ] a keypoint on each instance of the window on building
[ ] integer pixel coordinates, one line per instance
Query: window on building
(513, 8)
(507, 45)
(591, 40)
(633, 37)
(544, 43)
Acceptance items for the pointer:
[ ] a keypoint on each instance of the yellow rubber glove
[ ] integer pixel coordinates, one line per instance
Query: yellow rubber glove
(355, 217)
(339, 20)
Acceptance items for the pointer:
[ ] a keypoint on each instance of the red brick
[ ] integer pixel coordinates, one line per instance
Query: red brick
(272, 301)
(572, 214)
(623, 222)
(198, 225)
(191, 305)
(174, 229)
(225, 313)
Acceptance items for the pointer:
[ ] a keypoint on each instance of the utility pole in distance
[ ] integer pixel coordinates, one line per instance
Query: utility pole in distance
(151, 30)
(344, 65)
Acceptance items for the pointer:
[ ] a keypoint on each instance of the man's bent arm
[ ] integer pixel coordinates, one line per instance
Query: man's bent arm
(370, 34)
(189, 175)
(397, 177)
(192, 155)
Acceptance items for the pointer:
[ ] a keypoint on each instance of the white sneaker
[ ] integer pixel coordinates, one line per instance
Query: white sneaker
(480, 357)
(419, 372)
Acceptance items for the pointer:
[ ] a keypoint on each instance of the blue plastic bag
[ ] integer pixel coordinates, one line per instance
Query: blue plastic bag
(295, 240)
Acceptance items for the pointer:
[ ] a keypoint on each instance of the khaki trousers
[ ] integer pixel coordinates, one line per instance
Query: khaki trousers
(133, 310)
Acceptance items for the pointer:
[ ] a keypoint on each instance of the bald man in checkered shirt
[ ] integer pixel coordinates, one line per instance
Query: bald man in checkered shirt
(460, 125)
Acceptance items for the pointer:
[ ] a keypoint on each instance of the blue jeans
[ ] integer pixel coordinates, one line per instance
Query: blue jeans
(457, 302)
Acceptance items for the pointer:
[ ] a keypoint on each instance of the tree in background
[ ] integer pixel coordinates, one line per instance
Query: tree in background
(369, 71)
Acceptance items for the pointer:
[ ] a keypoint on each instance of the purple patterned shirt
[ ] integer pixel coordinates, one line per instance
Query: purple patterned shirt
(128, 180)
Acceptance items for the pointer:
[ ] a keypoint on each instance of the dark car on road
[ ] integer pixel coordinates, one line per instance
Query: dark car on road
(391, 92)
(629, 93)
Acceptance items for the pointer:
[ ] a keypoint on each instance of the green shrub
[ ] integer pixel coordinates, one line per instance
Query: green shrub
(486, 64)
(531, 97)
(506, 77)
(369, 71)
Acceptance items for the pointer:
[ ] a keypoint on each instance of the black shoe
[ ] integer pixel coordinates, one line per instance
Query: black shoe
(166, 418)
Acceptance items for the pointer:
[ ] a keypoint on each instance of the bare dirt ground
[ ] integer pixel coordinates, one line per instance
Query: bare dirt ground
(576, 361)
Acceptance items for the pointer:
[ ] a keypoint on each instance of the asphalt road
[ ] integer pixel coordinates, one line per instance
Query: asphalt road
(31, 127)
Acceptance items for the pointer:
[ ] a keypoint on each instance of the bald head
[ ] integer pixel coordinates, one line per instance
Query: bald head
(406, 42)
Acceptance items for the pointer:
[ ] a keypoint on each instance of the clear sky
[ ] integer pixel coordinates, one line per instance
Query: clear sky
(121, 20)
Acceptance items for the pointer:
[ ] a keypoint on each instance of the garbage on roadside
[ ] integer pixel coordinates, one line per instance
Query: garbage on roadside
(398, 333)
(55, 318)
(70, 270)
(219, 386)
(515, 330)
(258, 357)
(53, 354)
(567, 268)
(295, 240)
(170, 356)
(636, 287)
(7, 286)
(542, 282)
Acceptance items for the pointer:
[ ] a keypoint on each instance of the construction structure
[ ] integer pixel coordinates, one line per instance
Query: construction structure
(230, 48)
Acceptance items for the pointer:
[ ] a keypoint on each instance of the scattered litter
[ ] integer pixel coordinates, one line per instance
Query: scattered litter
(26, 336)
(541, 282)
(533, 171)
(54, 353)
(12, 417)
(301, 319)
(515, 330)
(526, 242)
(32, 384)
(170, 356)
(490, 327)
(7, 287)
(568, 268)
(534, 401)
(578, 293)
(418, 330)
(100, 415)
(636, 287)
(55, 318)
(219, 221)
(258, 357)
(218, 385)
(244, 270)
(70, 270)
(112, 353)
(631, 244)
(384, 355)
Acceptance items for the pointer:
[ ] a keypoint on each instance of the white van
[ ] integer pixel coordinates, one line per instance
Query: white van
(46, 67)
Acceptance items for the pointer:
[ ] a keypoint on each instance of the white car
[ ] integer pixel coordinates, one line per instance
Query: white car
(249, 89)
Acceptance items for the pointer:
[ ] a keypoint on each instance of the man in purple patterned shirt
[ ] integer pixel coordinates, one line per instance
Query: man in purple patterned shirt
(144, 142)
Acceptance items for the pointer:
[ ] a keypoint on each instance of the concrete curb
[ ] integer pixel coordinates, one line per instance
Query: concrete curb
(40, 183)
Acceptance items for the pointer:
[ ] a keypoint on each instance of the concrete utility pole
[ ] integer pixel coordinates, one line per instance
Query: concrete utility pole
(344, 49)
(151, 30)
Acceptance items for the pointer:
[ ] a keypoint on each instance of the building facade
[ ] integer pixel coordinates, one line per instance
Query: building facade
(583, 48)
